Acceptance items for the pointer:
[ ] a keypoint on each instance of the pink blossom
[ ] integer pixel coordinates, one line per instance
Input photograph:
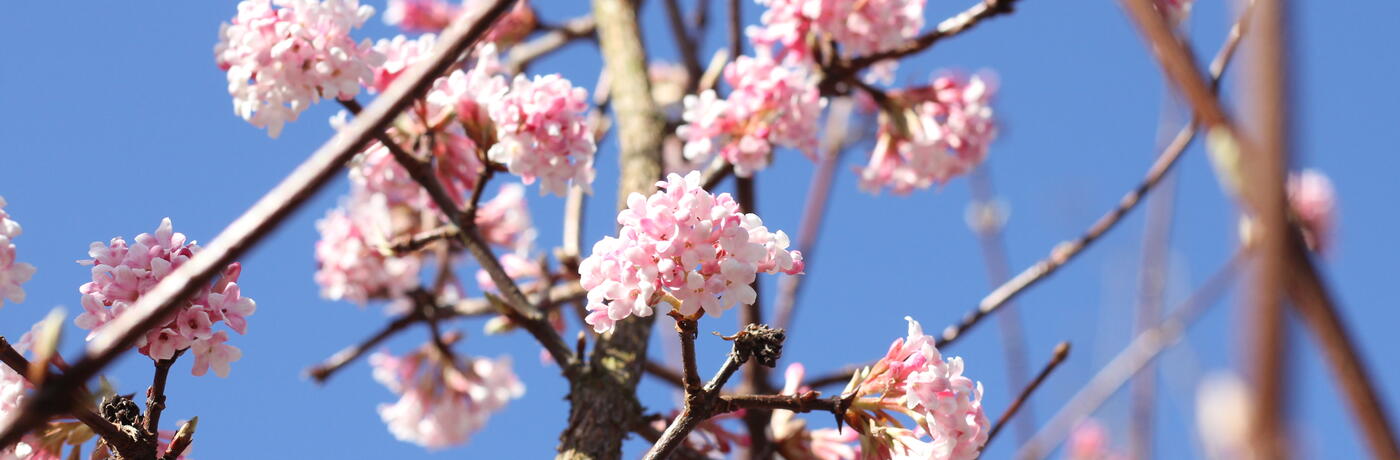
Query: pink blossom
(771, 104)
(439, 406)
(399, 54)
(859, 28)
(1314, 201)
(436, 15)
(214, 352)
(469, 94)
(12, 273)
(913, 379)
(542, 133)
(122, 272)
(517, 267)
(284, 55)
(941, 131)
(685, 242)
(349, 264)
(505, 220)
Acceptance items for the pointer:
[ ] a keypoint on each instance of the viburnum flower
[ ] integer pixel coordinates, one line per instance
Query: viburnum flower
(350, 265)
(435, 15)
(438, 405)
(771, 104)
(542, 133)
(929, 135)
(284, 55)
(121, 273)
(913, 379)
(1314, 201)
(859, 28)
(699, 249)
(399, 54)
(12, 273)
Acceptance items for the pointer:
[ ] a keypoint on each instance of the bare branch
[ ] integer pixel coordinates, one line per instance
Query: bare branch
(107, 430)
(162, 300)
(523, 54)
(1061, 352)
(1142, 350)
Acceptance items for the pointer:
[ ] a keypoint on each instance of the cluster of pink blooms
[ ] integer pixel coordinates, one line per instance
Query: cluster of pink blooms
(399, 53)
(682, 241)
(796, 442)
(771, 104)
(860, 28)
(440, 405)
(914, 379)
(435, 15)
(1313, 199)
(12, 273)
(943, 131)
(542, 132)
(350, 265)
(121, 272)
(284, 55)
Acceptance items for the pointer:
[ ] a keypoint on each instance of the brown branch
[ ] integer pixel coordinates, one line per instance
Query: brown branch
(664, 373)
(407, 244)
(463, 308)
(524, 312)
(650, 433)
(603, 402)
(107, 430)
(155, 395)
(715, 172)
(736, 29)
(1066, 251)
(1061, 352)
(986, 9)
(755, 341)
(1265, 175)
(523, 54)
(686, 44)
(1321, 315)
(156, 305)
(1141, 351)
(756, 379)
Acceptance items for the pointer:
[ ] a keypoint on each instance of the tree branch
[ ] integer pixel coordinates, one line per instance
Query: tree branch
(166, 297)
(1061, 352)
(523, 54)
(155, 395)
(1142, 350)
(107, 430)
(986, 9)
(603, 402)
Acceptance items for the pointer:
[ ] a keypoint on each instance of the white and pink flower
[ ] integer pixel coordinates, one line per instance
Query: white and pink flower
(682, 241)
(12, 272)
(439, 406)
(936, 133)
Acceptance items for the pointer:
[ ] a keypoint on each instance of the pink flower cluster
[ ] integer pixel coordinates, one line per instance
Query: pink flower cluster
(399, 54)
(281, 60)
(914, 379)
(435, 15)
(1090, 441)
(12, 272)
(439, 405)
(1314, 201)
(122, 272)
(771, 104)
(542, 133)
(350, 265)
(934, 133)
(682, 241)
(860, 28)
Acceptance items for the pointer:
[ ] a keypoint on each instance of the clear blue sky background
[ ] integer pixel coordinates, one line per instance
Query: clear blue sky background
(114, 116)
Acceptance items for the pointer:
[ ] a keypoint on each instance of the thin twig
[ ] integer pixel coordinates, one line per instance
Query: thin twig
(736, 29)
(957, 24)
(523, 54)
(156, 305)
(664, 373)
(80, 411)
(155, 395)
(463, 308)
(685, 43)
(1061, 352)
(1142, 350)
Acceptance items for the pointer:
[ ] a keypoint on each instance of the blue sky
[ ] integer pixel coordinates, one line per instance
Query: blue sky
(115, 116)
